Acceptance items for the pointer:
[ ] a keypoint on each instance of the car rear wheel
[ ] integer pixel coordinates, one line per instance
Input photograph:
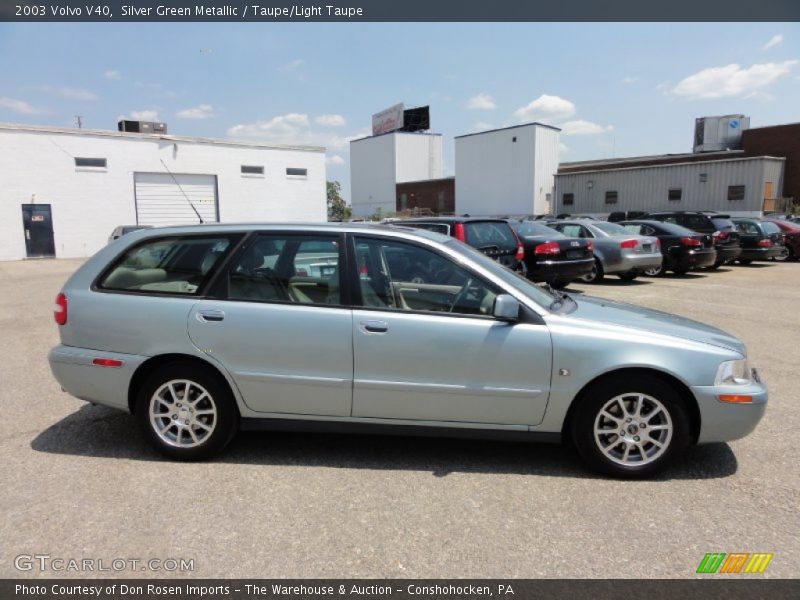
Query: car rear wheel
(784, 255)
(628, 276)
(630, 427)
(654, 271)
(744, 261)
(597, 273)
(186, 413)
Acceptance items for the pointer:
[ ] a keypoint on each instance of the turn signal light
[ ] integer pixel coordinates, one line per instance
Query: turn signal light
(735, 398)
(548, 248)
(107, 362)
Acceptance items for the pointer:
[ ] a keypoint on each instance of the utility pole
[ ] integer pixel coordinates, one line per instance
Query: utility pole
(79, 121)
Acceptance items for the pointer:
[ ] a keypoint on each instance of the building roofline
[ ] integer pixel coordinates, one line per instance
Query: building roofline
(152, 136)
(652, 157)
(369, 137)
(670, 164)
(449, 178)
(535, 123)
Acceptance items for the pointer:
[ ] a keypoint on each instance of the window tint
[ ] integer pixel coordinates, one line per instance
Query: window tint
(723, 224)
(748, 227)
(697, 222)
(281, 268)
(770, 227)
(637, 229)
(167, 265)
(437, 227)
(610, 228)
(403, 276)
(572, 230)
(529, 228)
(482, 234)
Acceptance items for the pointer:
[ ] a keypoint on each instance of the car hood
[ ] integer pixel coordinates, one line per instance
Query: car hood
(655, 321)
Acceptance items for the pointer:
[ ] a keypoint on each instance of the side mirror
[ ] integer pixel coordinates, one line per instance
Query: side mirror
(506, 308)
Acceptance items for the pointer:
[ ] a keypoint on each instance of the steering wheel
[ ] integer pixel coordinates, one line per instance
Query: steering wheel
(462, 293)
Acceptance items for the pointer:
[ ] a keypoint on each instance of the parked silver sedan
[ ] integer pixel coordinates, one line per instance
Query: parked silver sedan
(200, 331)
(617, 251)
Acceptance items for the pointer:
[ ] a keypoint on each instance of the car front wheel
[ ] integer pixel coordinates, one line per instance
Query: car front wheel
(630, 427)
(186, 413)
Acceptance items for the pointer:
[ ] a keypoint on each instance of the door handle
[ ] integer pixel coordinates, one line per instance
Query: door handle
(212, 314)
(374, 326)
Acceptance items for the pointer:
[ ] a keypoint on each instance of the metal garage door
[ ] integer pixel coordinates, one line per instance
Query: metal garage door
(164, 199)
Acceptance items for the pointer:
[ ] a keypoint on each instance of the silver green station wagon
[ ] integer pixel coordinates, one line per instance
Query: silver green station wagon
(203, 330)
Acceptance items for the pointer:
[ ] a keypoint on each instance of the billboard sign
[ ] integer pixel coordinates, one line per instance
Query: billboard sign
(388, 120)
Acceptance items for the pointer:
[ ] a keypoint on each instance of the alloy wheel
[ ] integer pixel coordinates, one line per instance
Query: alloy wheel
(183, 413)
(633, 429)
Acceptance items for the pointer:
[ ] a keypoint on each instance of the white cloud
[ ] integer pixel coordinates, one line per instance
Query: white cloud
(562, 148)
(112, 74)
(775, 40)
(482, 126)
(330, 120)
(20, 106)
(68, 92)
(334, 161)
(203, 111)
(292, 128)
(731, 80)
(482, 101)
(629, 80)
(292, 65)
(547, 108)
(581, 127)
(144, 115)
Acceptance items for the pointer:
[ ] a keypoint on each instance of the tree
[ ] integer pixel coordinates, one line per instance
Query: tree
(337, 207)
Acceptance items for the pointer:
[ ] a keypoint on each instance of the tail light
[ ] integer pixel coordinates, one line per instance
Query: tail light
(691, 242)
(548, 249)
(107, 362)
(520, 255)
(658, 243)
(628, 244)
(60, 309)
(764, 244)
(589, 246)
(458, 231)
(721, 236)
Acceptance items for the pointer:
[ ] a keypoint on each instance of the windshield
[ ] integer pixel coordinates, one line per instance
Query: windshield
(770, 227)
(611, 228)
(482, 234)
(536, 293)
(723, 224)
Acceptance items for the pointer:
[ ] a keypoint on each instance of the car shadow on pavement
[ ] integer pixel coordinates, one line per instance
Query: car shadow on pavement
(106, 433)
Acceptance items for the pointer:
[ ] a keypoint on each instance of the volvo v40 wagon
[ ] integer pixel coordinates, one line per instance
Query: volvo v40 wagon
(201, 331)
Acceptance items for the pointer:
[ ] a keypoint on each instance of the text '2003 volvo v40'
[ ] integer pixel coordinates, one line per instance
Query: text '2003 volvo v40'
(200, 331)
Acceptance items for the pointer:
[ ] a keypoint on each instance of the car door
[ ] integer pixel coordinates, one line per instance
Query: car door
(280, 325)
(427, 348)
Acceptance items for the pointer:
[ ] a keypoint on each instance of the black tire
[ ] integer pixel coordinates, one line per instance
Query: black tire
(680, 271)
(588, 409)
(628, 276)
(560, 283)
(223, 425)
(744, 261)
(597, 274)
(716, 265)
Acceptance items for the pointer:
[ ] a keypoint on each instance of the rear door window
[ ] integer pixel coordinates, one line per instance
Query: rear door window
(174, 265)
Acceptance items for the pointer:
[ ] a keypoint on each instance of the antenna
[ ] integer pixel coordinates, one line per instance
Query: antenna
(79, 121)
(199, 218)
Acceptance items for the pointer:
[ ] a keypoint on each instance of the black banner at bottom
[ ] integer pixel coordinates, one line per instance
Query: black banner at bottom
(724, 588)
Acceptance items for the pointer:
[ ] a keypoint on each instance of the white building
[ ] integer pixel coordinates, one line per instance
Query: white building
(65, 190)
(378, 163)
(507, 171)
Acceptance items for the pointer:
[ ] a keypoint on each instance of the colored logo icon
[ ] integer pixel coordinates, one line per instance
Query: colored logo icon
(736, 562)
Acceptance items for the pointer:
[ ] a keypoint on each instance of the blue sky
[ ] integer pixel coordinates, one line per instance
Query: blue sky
(615, 89)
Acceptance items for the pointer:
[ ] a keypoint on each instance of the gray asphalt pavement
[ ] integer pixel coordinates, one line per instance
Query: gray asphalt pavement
(78, 481)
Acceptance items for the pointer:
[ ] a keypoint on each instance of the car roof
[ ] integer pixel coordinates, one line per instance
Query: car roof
(450, 220)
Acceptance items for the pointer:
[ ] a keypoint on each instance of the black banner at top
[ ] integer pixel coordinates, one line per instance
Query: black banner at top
(398, 10)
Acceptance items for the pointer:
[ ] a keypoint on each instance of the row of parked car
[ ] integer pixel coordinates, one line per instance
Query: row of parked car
(561, 250)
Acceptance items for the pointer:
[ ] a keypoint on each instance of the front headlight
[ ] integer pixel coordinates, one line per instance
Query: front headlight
(733, 372)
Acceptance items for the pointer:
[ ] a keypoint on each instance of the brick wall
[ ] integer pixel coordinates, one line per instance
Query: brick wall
(780, 140)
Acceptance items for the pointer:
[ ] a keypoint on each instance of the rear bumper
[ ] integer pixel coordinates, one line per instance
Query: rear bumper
(694, 259)
(73, 369)
(636, 263)
(552, 270)
(723, 421)
(761, 253)
(728, 253)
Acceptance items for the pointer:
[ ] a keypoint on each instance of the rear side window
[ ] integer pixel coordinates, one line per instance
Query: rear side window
(637, 229)
(698, 223)
(770, 227)
(482, 234)
(176, 265)
(437, 227)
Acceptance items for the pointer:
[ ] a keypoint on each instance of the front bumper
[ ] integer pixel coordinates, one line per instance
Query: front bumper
(636, 263)
(723, 421)
(562, 270)
(73, 369)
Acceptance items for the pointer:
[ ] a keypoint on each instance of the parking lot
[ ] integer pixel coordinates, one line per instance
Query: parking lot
(79, 481)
